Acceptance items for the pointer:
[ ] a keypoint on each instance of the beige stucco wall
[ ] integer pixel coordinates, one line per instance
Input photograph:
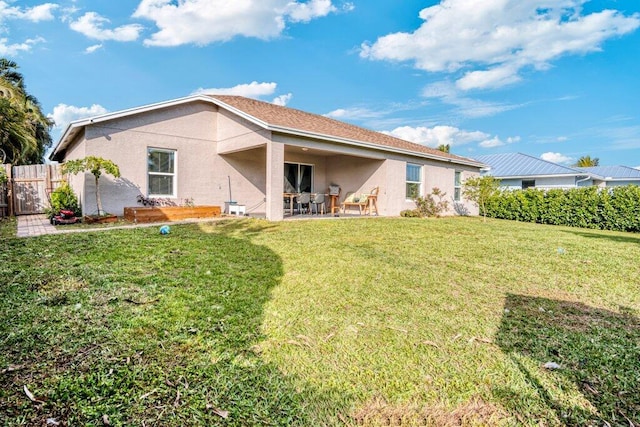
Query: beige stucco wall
(359, 170)
(201, 174)
(238, 134)
(189, 129)
(214, 147)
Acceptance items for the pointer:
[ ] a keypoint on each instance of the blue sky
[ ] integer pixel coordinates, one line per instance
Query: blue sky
(557, 79)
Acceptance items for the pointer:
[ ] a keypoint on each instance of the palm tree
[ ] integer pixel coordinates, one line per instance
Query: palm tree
(444, 148)
(24, 129)
(587, 162)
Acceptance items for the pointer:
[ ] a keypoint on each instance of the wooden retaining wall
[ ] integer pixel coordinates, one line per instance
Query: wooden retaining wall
(170, 213)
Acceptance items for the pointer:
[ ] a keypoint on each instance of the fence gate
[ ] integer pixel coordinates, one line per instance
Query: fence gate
(31, 186)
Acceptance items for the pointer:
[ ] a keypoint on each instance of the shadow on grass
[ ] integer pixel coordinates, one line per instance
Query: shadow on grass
(156, 330)
(603, 235)
(597, 351)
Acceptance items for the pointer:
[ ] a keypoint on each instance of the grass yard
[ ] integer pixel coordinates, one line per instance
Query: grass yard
(373, 321)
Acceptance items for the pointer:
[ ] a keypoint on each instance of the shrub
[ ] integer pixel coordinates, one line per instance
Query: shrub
(430, 207)
(63, 197)
(410, 213)
(616, 208)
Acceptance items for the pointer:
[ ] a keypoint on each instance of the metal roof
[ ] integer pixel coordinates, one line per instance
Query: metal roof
(516, 165)
(614, 172)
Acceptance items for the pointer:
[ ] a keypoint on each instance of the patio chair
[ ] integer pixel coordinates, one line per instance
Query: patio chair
(304, 199)
(372, 199)
(318, 200)
(354, 200)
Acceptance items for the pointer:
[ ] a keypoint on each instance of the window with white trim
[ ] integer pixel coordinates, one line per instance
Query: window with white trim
(457, 186)
(414, 180)
(161, 172)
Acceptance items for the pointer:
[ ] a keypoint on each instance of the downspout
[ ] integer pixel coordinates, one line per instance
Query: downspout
(583, 180)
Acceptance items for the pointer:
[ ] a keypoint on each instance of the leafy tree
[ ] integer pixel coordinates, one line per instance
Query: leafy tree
(97, 166)
(444, 148)
(3, 175)
(24, 129)
(479, 190)
(587, 161)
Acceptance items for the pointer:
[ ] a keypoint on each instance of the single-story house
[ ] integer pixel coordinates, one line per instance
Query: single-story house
(613, 176)
(211, 149)
(521, 171)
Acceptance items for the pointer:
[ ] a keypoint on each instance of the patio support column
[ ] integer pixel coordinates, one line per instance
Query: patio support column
(275, 181)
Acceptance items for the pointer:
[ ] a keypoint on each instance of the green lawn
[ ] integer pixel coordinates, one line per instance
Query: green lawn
(371, 321)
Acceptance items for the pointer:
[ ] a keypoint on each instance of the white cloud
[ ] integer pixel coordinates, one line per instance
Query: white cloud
(92, 25)
(556, 157)
(437, 135)
(206, 21)
(466, 106)
(12, 49)
(498, 38)
(64, 114)
(43, 12)
(305, 12)
(250, 90)
(282, 100)
(355, 113)
(93, 48)
(497, 142)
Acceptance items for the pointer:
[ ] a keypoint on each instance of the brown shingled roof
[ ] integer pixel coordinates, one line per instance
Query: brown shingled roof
(285, 117)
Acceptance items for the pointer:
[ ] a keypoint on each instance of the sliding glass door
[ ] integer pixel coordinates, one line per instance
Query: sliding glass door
(298, 178)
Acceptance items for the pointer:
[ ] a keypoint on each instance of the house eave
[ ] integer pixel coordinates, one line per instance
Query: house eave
(372, 146)
(544, 176)
(74, 127)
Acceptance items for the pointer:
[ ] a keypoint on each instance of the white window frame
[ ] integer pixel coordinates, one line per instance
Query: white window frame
(419, 181)
(457, 186)
(174, 175)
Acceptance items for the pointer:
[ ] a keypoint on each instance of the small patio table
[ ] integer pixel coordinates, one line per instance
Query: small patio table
(290, 196)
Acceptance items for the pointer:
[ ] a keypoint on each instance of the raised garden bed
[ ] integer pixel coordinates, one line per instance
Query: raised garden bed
(169, 213)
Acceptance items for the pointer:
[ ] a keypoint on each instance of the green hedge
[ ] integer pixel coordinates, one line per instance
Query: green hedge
(615, 208)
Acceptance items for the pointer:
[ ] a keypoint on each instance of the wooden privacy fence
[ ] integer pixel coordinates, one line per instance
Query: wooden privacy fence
(4, 197)
(29, 187)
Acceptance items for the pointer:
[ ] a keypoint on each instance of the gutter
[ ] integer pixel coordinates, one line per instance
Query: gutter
(353, 142)
(65, 141)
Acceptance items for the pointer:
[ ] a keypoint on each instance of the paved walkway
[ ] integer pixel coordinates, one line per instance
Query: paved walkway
(38, 225)
(34, 225)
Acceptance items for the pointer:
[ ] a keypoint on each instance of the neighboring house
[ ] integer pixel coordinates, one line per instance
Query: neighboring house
(212, 149)
(613, 176)
(521, 171)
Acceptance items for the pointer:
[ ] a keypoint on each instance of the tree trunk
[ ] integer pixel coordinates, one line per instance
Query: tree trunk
(98, 201)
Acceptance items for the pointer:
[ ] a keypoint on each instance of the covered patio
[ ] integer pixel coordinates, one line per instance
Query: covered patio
(274, 174)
